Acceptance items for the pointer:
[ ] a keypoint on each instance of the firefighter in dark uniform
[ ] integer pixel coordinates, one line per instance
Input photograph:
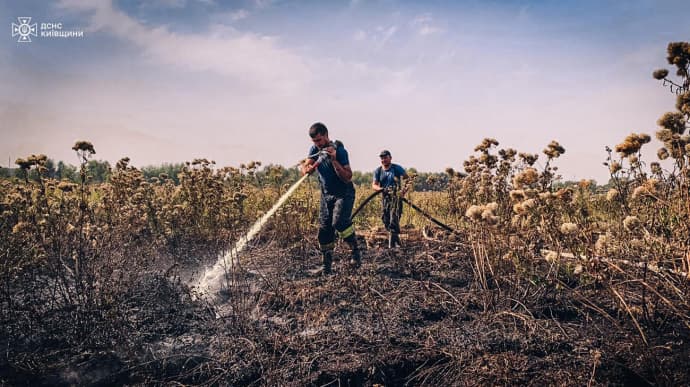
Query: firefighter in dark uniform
(388, 178)
(331, 160)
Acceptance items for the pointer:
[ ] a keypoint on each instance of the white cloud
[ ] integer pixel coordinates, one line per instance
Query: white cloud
(238, 15)
(424, 25)
(428, 30)
(422, 19)
(385, 34)
(165, 4)
(247, 57)
(261, 4)
(377, 37)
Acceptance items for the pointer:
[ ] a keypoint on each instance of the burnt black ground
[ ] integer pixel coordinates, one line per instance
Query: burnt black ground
(415, 316)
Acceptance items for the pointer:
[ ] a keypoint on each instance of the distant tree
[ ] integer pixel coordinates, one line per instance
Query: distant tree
(98, 170)
(362, 178)
(274, 174)
(66, 171)
(48, 171)
(428, 181)
(6, 173)
(166, 170)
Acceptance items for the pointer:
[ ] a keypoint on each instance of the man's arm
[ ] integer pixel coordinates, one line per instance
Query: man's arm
(343, 171)
(376, 183)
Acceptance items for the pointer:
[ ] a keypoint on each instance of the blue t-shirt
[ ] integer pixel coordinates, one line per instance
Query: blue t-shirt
(386, 178)
(330, 182)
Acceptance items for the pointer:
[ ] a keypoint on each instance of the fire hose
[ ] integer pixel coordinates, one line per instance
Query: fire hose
(424, 213)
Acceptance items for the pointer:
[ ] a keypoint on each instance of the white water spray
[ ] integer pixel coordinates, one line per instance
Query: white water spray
(212, 280)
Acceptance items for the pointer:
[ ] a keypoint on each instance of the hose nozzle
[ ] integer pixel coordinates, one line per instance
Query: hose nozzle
(323, 156)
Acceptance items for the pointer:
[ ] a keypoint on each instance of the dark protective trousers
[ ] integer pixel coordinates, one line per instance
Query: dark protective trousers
(334, 216)
(392, 211)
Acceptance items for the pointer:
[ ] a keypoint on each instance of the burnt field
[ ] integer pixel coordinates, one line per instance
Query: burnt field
(416, 315)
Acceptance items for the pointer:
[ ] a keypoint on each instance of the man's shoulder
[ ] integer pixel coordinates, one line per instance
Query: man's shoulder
(342, 155)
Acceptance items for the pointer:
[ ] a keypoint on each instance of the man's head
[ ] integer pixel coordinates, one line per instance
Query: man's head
(319, 135)
(385, 158)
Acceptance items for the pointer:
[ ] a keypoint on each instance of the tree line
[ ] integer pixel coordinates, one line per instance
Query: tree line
(99, 172)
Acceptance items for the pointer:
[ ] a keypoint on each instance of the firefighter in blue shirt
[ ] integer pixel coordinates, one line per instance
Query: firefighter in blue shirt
(388, 178)
(331, 160)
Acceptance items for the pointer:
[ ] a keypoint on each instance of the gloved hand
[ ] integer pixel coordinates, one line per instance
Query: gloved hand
(323, 156)
(388, 191)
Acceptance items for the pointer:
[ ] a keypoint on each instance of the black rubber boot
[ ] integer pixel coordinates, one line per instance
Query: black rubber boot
(393, 240)
(328, 262)
(356, 259)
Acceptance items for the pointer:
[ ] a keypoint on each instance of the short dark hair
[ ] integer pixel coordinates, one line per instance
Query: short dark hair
(318, 128)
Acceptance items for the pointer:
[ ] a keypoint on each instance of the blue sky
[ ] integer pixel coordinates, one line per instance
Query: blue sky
(172, 80)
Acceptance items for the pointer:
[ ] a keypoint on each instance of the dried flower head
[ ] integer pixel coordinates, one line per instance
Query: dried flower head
(660, 74)
(569, 228)
(38, 159)
(612, 195)
(632, 144)
(507, 154)
(679, 55)
(615, 167)
(517, 195)
(665, 135)
(20, 227)
(521, 208)
(554, 150)
(525, 178)
(631, 223)
(565, 194)
(528, 158)
(552, 257)
(603, 243)
(578, 269)
(545, 196)
(485, 145)
(531, 193)
(646, 189)
(66, 186)
(673, 121)
(683, 102)
(24, 164)
(662, 153)
(84, 146)
(489, 217)
(474, 212)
